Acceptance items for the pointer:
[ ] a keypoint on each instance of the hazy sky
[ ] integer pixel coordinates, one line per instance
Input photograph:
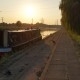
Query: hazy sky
(14, 10)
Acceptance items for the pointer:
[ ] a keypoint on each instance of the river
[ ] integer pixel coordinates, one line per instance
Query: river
(47, 33)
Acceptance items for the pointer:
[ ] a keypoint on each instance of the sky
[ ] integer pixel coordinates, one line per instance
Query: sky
(14, 10)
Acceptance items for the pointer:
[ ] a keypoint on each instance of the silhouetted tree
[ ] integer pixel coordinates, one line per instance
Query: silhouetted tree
(18, 23)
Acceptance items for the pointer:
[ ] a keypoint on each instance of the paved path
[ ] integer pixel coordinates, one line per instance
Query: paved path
(64, 64)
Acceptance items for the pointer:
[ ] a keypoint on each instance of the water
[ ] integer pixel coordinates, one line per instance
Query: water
(46, 33)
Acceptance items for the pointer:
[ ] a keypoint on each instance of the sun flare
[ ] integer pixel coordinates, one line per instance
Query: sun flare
(30, 11)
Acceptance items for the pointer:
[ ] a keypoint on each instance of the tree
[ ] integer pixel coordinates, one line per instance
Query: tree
(70, 14)
(18, 23)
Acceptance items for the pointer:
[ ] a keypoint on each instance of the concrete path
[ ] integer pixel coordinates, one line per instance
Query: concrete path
(64, 64)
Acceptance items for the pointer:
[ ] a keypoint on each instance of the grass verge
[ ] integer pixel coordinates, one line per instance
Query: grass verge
(74, 36)
(76, 39)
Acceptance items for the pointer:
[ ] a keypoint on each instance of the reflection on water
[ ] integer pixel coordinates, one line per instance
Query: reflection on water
(46, 33)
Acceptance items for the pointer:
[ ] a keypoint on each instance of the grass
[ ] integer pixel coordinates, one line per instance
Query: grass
(74, 36)
(76, 39)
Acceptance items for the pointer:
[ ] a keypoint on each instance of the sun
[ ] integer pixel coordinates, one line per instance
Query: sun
(30, 11)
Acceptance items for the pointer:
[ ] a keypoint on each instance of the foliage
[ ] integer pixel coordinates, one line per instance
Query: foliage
(18, 23)
(71, 14)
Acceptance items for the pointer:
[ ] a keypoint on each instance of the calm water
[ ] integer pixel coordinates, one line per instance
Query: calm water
(46, 33)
